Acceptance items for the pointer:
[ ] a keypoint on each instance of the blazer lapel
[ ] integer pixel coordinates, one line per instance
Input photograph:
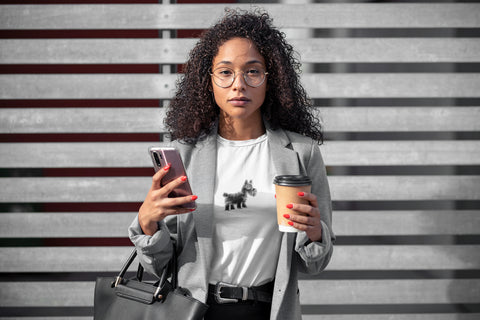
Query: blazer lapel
(286, 161)
(203, 164)
(284, 158)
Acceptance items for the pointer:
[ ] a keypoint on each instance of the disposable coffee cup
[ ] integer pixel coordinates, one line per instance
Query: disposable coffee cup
(287, 188)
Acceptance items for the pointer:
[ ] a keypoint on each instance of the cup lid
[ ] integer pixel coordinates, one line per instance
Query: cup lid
(292, 180)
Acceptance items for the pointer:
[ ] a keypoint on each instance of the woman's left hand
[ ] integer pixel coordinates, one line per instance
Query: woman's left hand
(310, 220)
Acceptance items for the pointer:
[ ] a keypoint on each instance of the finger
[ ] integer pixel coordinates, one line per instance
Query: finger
(178, 202)
(295, 222)
(310, 197)
(158, 176)
(177, 210)
(299, 226)
(170, 186)
(303, 220)
(305, 209)
(314, 232)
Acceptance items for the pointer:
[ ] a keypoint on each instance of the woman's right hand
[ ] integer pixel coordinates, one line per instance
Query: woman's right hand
(158, 205)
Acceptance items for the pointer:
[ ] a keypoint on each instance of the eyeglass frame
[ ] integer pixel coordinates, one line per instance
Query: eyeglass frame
(235, 77)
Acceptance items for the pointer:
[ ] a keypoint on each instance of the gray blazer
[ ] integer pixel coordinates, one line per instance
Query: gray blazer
(292, 154)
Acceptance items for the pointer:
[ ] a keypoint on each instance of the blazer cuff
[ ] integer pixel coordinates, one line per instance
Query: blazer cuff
(149, 244)
(313, 251)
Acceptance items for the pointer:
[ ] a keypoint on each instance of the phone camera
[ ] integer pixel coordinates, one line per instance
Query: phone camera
(157, 159)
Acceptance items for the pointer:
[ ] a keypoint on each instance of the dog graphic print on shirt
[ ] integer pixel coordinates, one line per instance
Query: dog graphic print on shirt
(239, 198)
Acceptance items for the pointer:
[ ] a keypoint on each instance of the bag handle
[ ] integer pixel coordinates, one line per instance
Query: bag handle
(171, 265)
(170, 269)
(125, 267)
(173, 262)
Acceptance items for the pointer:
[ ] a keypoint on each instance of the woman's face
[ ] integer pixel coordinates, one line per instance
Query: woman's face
(240, 101)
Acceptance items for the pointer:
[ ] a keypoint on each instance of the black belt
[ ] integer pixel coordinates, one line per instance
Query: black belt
(227, 293)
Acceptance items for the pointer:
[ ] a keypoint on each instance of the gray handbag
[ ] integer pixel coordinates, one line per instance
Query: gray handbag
(118, 298)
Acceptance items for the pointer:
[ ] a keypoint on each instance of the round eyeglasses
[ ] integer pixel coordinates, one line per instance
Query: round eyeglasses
(224, 77)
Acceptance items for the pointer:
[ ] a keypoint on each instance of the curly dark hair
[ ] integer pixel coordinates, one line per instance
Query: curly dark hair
(192, 113)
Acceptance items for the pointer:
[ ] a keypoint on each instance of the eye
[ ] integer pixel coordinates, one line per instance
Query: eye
(253, 71)
(223, 72)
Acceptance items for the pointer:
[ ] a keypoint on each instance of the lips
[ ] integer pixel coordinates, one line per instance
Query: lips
(239, 99)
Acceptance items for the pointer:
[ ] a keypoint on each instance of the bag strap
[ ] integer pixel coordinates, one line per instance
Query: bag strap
(125, 267)
(174, 269)
(169, 270)
(139, 276)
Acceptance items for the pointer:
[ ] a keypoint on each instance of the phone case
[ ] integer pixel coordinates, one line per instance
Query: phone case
(163, 156)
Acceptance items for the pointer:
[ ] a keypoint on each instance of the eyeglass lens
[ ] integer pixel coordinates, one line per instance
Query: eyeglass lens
(224, 77)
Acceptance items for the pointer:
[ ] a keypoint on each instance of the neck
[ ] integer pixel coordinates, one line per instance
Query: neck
(234, 129)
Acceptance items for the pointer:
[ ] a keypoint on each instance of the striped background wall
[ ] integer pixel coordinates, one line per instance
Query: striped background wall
(397, 84)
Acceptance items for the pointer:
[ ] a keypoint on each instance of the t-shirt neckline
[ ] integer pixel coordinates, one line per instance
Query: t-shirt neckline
(241, 143)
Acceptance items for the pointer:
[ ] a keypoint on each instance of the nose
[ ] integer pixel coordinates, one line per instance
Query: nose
(239, 82)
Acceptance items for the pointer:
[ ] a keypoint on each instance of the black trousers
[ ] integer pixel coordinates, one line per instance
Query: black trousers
(242, 310)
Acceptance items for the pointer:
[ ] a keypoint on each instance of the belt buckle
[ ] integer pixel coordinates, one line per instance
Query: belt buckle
(218, 291)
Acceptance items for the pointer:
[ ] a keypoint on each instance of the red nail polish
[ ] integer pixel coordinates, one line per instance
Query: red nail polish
(167, 167)
(301, 194)
(290, 223)
(192, 210)
(275, 196)
(289, 206)
(286, 216)
(183, 178)
(194, 198)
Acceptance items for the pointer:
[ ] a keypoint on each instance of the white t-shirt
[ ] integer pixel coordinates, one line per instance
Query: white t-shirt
(246, 238)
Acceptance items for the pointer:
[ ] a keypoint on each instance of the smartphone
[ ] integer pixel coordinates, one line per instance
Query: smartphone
(161, 157)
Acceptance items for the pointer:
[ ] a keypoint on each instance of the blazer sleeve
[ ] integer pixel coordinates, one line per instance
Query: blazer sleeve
(154, 251)
(313, 257)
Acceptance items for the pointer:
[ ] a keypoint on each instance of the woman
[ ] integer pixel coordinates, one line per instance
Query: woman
(239, 118)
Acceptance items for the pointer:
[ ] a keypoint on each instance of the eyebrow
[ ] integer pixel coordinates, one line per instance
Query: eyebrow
(247, 63)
